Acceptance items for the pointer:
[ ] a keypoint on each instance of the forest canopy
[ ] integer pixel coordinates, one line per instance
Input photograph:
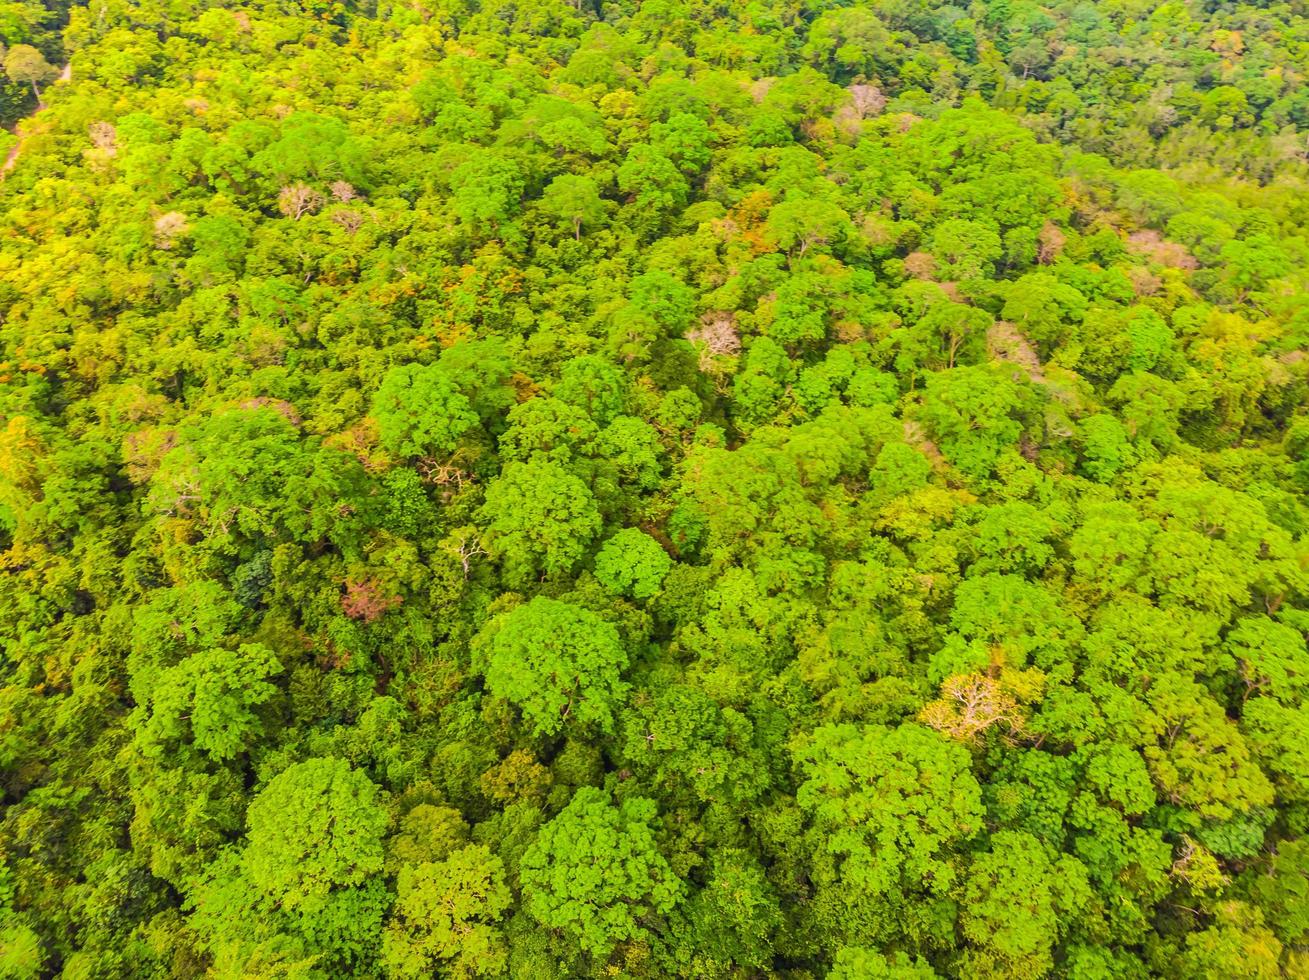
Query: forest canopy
(785, 489)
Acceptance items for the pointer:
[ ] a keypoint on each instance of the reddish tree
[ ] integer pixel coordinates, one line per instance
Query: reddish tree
(366, 601)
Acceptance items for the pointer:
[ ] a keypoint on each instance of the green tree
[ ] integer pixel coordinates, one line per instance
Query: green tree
(315, 826)
(315, 853)
(548, 427)
(248, 472)
(1270, 658)
(24, 63)
(1017, 901)
(420, 412)
(444, 917)
(887, 805)
(1197, 756)
(487, 191)
(685, 139)
(801, 223)
(558, 662)
(972, 413)
(313, 148)
(860, 963)
(1237, 944)
(594, 385)
(595, 873)
(733, 917)
(575, 199)
(539, 518)
(632, 445)
(213, 696)
(680, 739)
(967, 249)
(655, 185)
(1281, 890)
(632, 563)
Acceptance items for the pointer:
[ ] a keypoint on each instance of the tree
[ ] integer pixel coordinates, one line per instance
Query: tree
(968, 249)
(1237, 944)
(314, 827)
(1042, 308)
(971, 412)
(420, 412)
(559, 663)
(487, 191)
(1151, 409)
(1280, 888)
(887, 805)
(685, 139)
(173, 623)
(664, 298)
(297, 200)
(313, 148)
(425, 834)
(1197, 756)
(1251, 262)
(1005, 621)
(1106, 447)
(539, 517)
(860, 963)
(24, 63)
(220, 243)
(686, 744)
(1017, 902)
(632, 563)
(944, 335)
(855, 43)
(901, 492)
(1013, 537)
(315, 854)
(734, 917)
(548, 427)
(594, 385)
(575, 199)
(20, 950)
(444, 917)
(632, 446)
(596, 874)
(801, 223)
(212, 694)
(247, 473)
(1270, 658)
(899, 469)
(655, 185)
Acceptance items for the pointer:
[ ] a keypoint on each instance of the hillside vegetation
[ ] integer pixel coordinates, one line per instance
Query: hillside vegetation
(727, 490)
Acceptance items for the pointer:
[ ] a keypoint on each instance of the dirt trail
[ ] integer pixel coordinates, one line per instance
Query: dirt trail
(64, 75)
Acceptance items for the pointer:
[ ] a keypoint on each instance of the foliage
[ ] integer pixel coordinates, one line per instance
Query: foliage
(595, 872)
(632, 563)
(646, 490)
(558, 662)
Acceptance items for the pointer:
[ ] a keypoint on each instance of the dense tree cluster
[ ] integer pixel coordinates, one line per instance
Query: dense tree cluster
(621, 489)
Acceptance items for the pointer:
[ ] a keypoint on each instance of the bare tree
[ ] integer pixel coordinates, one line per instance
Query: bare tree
(168, 228)
(297, 200)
